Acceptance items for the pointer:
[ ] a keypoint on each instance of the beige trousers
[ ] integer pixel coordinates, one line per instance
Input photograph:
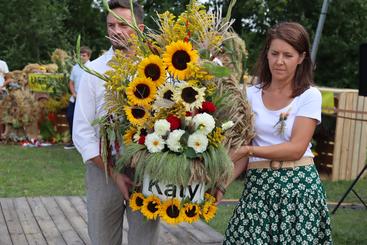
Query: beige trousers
(106, 208)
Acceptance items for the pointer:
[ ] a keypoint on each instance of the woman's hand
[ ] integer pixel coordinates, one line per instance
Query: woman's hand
(218, 196)
(241, 152)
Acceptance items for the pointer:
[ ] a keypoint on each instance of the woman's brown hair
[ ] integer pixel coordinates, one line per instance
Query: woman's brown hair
(296, 36)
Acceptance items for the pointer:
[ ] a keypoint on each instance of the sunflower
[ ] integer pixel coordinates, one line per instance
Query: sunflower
(152, 67)
(166, 91)
(151, 207)
(170, 211)
(136, 201)
(192, 97)
(177, 56)
(141, 91)
(209, 198)
(190, 212)
(137, 115)
(129, 135)
(209, 210)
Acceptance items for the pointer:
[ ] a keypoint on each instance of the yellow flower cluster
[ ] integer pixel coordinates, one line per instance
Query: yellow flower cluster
(216, 137)
(172, 210)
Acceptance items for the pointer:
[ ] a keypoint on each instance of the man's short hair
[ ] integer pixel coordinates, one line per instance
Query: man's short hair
(138, 9)
(85, 50)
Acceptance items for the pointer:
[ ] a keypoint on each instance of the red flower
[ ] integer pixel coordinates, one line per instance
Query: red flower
(52, 117)
(208, 107)
(174, 121)
(141, 140)
(188, 113)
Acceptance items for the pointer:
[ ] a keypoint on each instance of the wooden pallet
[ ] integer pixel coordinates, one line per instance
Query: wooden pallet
(344, 153)
(63, 220)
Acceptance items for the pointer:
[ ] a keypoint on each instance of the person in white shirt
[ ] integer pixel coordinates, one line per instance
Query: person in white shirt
(75, 76)
(107, 200)
(3, 70)
(283, 201)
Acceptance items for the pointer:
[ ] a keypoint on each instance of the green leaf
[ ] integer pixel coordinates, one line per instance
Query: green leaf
(190, 153)
(216, 70)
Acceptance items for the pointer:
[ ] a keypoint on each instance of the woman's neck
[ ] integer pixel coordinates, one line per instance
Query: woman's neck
(280, 86)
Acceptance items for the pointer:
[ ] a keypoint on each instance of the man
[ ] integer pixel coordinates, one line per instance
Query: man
(3, 70)
(75, 76)
(107, 200)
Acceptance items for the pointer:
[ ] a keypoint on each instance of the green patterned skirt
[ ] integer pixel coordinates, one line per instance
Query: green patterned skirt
(281, 207)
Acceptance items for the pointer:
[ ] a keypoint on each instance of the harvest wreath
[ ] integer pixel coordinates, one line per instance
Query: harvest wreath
(172, 113)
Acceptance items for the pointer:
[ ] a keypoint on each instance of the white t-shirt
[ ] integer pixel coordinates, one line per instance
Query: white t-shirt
(3, 69)
(308, 104)
(76, 74)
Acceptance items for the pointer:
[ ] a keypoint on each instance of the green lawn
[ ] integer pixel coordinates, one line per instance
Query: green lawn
(46, 171)
(51, 171)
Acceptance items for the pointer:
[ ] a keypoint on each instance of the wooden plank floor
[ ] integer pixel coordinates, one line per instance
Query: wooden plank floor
(63, 220)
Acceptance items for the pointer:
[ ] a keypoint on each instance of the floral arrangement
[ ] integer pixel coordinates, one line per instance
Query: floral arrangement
(170, 115)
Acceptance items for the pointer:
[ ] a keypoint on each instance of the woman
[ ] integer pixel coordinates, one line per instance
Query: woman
(283, 201)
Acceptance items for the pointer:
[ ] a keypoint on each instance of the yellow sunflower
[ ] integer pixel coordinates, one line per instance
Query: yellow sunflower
(177, 56)
(152, 67)
(129, 135)
(209, 198)
(209, 210)
(170, 211)
(141, 91)
(137, 115)
(192, 97)
(190, 212)
(151, 207)
(136, 201)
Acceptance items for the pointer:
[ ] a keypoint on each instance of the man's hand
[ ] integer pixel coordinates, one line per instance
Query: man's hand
(123, 182)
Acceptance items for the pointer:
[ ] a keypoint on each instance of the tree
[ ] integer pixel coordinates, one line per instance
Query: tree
(33, 28)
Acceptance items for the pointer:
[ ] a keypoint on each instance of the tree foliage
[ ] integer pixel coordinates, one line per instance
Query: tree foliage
(32, 29)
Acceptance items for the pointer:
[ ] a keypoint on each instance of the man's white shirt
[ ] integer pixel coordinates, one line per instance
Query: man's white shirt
(90, 106)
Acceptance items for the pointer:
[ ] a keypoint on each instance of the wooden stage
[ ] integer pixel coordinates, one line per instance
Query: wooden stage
(63, 220)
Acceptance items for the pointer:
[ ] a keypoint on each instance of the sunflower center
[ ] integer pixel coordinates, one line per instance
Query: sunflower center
(152, 207)
(173, 211)
(168, 95)
(180, 59)
(142, 91)
(189, 95)
(138, 112)
(152, 71)
(139, 201)
(191, 212)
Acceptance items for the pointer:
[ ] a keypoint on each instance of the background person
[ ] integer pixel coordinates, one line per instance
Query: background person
(3, 70)
(107, 201)
(75, 76)
(283, 201)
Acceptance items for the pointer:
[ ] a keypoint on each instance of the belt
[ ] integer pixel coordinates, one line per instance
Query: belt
(276, 165)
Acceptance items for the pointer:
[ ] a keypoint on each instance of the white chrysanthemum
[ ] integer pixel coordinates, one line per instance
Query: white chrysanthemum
(227, 125)
(154, 143)
(204, 123)
(173, 141)
(161, 127)
(198, 141)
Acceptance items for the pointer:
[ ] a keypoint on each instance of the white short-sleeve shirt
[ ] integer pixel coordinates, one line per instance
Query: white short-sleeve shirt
(3, 69)
(76, 75)
(308, 104)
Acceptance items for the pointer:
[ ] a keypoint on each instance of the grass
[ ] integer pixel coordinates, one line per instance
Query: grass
(47, 171)
(52, 171)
